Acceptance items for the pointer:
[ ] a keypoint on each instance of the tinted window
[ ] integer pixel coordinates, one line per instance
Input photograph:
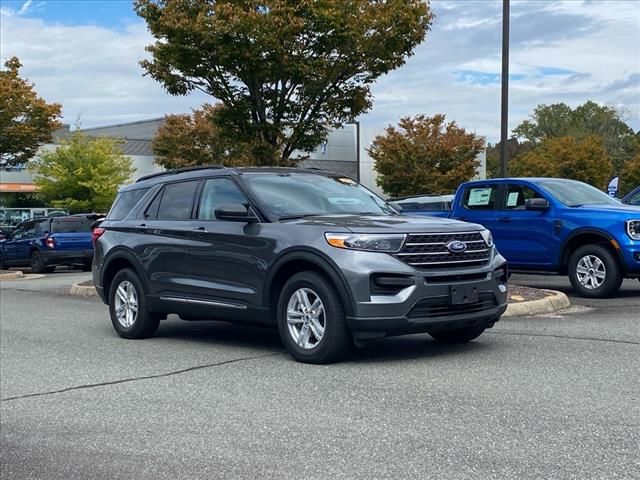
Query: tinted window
(29, 229)
(152, 209)
(516, 197)
(480, 197)
(42, 227)
(218, 191)
(177, 201)
(70, 225)
(635, 199)
(125, 203)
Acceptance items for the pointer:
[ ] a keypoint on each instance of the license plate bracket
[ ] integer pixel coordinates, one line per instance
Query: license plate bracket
(463, 294)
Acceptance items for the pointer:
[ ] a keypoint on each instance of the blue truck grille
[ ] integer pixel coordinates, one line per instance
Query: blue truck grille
(428, 251)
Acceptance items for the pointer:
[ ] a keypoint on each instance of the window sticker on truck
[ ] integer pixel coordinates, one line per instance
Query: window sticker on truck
(479, 196)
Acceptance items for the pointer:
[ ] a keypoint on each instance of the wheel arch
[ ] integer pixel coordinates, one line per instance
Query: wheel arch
(588, 236)
(116, 261)
(298, 261)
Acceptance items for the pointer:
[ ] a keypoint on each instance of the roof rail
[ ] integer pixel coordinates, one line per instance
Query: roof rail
(180, 170)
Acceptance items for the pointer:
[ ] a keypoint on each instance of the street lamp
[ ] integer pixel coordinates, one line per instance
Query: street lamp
(504, 116)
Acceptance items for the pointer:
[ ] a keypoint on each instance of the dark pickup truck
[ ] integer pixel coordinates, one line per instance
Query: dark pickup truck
(45, 243)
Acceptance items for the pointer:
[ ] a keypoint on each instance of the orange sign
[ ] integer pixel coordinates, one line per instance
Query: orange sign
(17, 187)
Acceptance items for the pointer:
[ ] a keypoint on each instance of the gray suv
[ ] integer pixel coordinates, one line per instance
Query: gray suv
(315, 253)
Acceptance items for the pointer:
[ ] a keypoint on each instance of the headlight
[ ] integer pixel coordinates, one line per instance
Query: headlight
(633, 229)
(488, 237)
(374, 243)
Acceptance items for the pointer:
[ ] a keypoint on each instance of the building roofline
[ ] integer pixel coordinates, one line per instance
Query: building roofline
(137, 122)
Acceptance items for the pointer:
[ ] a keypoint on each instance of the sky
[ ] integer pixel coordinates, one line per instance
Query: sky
(84, 54)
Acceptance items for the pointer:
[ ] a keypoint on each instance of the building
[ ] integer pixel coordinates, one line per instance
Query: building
(345, 152)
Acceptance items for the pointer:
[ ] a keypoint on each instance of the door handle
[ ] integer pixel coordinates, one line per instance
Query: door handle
(142, 227)
(199, 230)
(504, 219)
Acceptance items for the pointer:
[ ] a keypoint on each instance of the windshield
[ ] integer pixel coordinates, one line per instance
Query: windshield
(301, 194)
(576, 194)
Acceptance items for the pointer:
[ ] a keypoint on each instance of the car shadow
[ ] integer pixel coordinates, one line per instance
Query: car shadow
(391, 349)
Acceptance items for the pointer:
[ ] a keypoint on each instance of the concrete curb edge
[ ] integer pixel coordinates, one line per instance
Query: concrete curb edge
(83, 290)
(551, 304)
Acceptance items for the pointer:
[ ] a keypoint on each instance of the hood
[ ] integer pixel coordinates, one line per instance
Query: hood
(388, 224)
(632, 210)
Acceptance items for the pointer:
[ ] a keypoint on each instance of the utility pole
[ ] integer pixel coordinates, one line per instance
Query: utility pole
(504, 116)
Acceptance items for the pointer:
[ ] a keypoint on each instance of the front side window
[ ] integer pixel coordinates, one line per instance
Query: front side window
(516, 197)
(480, 197)
(177, 201)
(306, 194)
(216, 192)
(635, 199)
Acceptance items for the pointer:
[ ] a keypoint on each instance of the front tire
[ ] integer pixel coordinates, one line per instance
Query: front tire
(128, 307)
(594, 272)
(460, 335)
(311, 320)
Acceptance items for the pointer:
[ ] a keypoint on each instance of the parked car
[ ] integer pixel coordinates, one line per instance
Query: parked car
(633, 197)
(552, 225)
(430, 205)
(45, 243)
(314, 253)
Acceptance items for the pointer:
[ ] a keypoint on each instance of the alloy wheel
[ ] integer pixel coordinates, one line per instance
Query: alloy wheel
(591, 272)
(305, 318)
(126, 304)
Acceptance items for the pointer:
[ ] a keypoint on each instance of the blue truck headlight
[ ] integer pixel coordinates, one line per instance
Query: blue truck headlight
(373, 243)
(633, 229)
(488, 237)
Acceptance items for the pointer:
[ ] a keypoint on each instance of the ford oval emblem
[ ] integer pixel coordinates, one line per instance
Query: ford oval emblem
(456, 246)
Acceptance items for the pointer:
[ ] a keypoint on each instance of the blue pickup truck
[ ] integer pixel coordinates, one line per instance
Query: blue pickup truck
(551, 225)
(44, 243)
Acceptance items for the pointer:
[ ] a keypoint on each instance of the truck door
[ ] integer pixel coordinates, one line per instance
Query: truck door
(478, 204)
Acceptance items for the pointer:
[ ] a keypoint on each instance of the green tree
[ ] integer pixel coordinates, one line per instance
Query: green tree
(285, 70)
(424, 155)
(189, 140)
(560, 120)
(83, 174)
(582, 159)
(26, 120)
(514, 148)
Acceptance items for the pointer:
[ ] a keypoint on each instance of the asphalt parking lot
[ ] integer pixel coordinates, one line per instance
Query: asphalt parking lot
(556, 396)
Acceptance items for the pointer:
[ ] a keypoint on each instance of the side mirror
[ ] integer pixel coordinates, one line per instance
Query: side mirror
(235, 212)
(539, 204)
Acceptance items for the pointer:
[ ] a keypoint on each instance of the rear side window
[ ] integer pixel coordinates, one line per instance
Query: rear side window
(177, 201)
(70, 225)
(480, 198)
(125, 203)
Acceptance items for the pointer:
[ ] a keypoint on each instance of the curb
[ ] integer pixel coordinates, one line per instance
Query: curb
(551, 304)
(12, 275)
(83, 290)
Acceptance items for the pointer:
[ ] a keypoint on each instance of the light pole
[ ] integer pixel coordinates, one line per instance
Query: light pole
(504, 116)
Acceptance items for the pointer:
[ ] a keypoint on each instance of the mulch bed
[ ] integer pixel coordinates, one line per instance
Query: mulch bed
(519, 294)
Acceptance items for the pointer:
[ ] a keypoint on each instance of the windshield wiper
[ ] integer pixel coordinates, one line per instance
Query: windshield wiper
(302, 215)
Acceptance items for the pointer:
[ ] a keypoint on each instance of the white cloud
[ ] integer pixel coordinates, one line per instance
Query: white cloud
(94, 71)
(25, 7)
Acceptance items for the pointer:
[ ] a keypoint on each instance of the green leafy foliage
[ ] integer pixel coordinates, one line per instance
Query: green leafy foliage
(589, 119)
(425, 155)
(583, 159)
(285, 70)
(83, 174)
(26, 120)
(630, 177)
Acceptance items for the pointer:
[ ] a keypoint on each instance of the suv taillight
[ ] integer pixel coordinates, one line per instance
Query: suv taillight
(51, 242)
(97, 233)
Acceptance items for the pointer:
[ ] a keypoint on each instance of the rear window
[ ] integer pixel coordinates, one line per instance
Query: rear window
(70, 225)
(125, 203)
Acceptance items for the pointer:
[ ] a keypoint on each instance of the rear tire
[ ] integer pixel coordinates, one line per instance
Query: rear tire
(37, 262)
(311, 320)
(594, 272)
(128, 307)
(460, 335)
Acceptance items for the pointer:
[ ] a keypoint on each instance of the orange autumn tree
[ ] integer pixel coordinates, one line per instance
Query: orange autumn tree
(425, 155)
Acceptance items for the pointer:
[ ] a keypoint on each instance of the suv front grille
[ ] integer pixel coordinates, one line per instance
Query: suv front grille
(427, 251)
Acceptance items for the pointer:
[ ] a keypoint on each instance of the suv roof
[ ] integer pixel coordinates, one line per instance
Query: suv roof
(196, 172)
